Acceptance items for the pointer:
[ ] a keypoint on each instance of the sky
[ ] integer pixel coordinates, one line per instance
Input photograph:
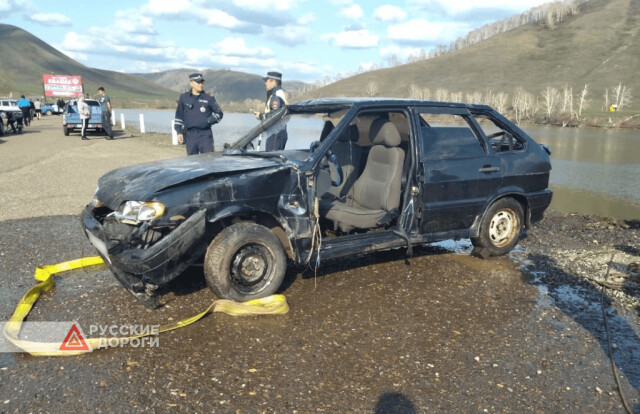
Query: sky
(305, 40)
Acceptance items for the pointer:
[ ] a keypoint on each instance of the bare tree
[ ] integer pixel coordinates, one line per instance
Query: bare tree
(500, 101)
(415, 92)
(426, 94)
(523, 104)
(622, 95)
(583, 102)
(372, 89)
(442, 94)
(456, 96)
(550, 100)
(567, 100)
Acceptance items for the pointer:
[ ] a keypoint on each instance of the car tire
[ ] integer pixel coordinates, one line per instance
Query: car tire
(65, 130)
(501, 227)
(245, 261)
(48, 112)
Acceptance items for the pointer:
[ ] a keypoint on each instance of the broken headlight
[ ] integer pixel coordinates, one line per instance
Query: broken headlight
(134, 212)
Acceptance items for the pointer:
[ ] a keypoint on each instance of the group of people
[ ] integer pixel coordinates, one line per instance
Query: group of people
(197, 112)
(28, 109)
(85, 114)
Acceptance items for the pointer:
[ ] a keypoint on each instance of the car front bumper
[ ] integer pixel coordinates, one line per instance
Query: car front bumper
(141, 271)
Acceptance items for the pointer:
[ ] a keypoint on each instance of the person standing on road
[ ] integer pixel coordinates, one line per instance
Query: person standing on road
(25, 107)
(196, 113)
(38, 108)
(85, 114)
(105, 102)
(276, 99)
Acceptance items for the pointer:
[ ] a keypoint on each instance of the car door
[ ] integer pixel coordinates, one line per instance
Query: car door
(459, 171)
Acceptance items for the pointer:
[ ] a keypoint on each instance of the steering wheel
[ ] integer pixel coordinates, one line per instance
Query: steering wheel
(333, 159)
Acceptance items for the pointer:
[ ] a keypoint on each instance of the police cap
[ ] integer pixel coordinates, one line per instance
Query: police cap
(273, 75)
(196, 77)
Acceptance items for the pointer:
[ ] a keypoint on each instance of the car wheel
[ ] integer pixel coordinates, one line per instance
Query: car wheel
(65, 130)
(245, 261)
(48, 112)
(501, 227)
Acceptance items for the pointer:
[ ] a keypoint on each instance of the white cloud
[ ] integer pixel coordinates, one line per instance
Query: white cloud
(390, 14)
(353, 12)
(279, 5)
(352, 39)
(220, 19)
(168, 7)
(292, 35)
(421, 30)
(306, 19)
(50, 19)
(236, 46)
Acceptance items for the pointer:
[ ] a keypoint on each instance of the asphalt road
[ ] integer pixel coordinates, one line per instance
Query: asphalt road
(439, 332)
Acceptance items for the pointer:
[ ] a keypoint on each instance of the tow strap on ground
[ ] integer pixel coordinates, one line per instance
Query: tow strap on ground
(270, 305)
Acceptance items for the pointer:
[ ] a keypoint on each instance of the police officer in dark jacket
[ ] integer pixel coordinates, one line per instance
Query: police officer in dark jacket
(276, 99)
(197, 111)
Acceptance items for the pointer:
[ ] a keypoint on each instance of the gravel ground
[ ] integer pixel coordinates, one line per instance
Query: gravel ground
(380, 333)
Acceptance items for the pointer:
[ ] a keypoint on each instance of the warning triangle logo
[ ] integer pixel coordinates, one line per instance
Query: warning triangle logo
(74, 341)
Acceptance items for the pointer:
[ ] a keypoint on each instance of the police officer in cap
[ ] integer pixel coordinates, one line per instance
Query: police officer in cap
(196, 112)
(276, 100)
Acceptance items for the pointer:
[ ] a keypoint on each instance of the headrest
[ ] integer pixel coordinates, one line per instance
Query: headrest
(350, 135)
(383, 132)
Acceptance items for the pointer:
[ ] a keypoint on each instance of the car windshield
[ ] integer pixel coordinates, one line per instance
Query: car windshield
(299, 129)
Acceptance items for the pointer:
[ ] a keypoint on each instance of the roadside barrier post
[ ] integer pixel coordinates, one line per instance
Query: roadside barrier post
(113, 118)
(122, 121)
(174, 134)
(142, 123)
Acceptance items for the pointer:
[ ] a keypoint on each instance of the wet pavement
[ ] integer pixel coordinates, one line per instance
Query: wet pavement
(442, 331)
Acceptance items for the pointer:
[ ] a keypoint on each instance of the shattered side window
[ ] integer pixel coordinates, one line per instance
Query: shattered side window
(499, 138)
(446, 136)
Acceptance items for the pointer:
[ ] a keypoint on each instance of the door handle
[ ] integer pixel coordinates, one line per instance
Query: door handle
(488, 169)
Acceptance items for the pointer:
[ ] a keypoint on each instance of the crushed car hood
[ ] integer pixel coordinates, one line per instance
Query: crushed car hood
(142, 181)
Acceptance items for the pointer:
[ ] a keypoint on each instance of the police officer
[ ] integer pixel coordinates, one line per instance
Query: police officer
(276, 99)
(196, 112)
(105, 103)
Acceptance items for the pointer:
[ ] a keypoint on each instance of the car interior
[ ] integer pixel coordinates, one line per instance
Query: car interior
(372, 154)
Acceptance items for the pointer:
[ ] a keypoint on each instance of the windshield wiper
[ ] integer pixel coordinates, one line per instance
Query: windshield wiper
(259, 154)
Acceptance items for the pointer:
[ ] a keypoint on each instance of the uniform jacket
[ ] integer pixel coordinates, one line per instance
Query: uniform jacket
(196, 112)
(84, 110)
(276, 99)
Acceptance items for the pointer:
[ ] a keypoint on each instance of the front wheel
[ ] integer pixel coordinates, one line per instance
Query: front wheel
(245, 261)
(48, 112)
(65, 130)
(501, 227)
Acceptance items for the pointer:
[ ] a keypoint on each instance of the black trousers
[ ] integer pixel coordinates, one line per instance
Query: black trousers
(106, 123)
(85, 124)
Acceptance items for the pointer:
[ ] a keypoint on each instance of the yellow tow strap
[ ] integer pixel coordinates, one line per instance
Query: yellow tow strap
(274, 304)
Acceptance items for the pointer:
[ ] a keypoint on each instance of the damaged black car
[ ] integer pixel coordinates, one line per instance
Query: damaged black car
(357, 175)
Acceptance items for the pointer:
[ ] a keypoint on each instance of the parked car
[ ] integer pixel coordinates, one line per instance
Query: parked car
(71, 118)
(49, 109)
(357, 175)
(8, 106)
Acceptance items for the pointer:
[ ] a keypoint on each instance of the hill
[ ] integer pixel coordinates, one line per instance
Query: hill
(25, 58)
(227, 85)
(599, 47)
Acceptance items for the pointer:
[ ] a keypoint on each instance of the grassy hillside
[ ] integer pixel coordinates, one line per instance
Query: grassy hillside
(600, 47)
(25, 58)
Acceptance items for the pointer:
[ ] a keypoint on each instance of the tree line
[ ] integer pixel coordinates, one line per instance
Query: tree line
(553, 103)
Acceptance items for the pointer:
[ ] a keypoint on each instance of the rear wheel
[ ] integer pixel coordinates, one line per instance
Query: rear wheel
(245, 261)
(501, 227)
(65, 130)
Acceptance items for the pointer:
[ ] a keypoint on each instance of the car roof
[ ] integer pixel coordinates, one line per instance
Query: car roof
(330, 104)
